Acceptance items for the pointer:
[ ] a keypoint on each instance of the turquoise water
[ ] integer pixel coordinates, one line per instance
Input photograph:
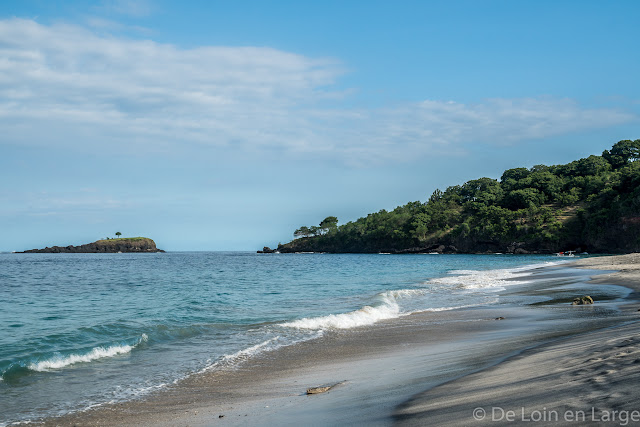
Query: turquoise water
(78, 330)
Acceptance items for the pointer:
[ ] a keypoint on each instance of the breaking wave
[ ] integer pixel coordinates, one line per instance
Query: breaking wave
(59, 361)
(386, 308)
(387, 305)
(497, 279)
(96, 353)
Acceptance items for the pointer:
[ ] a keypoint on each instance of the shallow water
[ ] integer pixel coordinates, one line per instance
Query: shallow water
(78, 330)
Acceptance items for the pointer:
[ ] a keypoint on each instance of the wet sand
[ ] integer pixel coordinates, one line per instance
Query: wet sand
(463, 359)
(590, 378)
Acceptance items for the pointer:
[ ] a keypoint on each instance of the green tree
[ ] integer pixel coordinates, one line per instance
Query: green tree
(420, 225)
(623, 152)
(546, 182)
(330, 223)
(483, 190)
(592, 165)
(302, 232)
(516, 174)
(523, 199)
(118, 234)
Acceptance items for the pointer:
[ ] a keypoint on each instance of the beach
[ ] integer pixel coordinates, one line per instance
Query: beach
(522, 363)
(588, 378)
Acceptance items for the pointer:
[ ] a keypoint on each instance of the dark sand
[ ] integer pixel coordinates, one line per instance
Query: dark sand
(590, 378)
(545, 355)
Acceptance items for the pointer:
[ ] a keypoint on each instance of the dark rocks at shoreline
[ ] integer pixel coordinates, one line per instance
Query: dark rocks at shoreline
(517, 248)
(267, 250)
(461, 246)
(582, 300)
(440, 249)
(514, 248)
(135, 245)
(320, 244)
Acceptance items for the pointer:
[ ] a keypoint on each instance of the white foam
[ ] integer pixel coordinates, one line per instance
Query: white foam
(231, 360)
(96, 353)
(251, 351)
(456, 307)
(367, 315)
(488, 279)
(402, 293)
(388, 308)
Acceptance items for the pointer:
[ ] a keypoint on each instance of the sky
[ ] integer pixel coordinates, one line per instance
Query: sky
(217, 125)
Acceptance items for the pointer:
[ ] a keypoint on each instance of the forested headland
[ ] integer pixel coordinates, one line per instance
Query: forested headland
(591, 204)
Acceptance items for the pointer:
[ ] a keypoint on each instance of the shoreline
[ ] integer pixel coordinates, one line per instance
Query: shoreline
(381, 371)
(587, 379)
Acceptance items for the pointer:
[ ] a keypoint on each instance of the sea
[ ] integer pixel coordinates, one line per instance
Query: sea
(82, 330)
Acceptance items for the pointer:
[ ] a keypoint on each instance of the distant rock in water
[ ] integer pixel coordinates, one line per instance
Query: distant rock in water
(267, 250)
(131, 244)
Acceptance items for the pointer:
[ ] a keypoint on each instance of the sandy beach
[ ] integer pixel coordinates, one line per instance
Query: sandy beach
(588, 378)
(515, 363)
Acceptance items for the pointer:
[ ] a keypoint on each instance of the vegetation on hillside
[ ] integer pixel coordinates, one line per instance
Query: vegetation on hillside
(122, 239)
(589, 204)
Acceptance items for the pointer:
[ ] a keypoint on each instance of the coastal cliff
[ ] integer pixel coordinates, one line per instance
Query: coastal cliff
(131, 244)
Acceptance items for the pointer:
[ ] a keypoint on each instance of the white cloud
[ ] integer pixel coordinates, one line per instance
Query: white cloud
(67, 86)
(494, 121)
(79, 203)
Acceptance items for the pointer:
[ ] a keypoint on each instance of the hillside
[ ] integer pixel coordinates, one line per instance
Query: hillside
(128, 244)
(591, 204)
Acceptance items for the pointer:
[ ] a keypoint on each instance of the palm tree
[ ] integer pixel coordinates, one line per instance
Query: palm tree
(118, 234)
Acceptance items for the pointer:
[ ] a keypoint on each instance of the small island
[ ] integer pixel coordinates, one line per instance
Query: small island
(125, 244)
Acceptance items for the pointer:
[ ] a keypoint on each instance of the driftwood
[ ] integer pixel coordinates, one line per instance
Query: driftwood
(323, 388)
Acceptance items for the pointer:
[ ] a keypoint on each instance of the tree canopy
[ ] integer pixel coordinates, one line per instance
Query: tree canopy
(592, 202)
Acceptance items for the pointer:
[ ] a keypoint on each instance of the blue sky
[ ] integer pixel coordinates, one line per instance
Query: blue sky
(227, 125)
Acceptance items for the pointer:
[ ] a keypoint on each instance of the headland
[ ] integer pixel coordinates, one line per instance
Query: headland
(588, 205)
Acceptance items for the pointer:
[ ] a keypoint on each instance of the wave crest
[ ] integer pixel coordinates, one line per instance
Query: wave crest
(388, 308)
(59, 362)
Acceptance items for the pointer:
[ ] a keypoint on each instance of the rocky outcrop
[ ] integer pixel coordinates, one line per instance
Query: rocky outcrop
(437, 248)
(318, 244)
(135, 244)
(444, 246)
(267, 250)
(582, 300)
